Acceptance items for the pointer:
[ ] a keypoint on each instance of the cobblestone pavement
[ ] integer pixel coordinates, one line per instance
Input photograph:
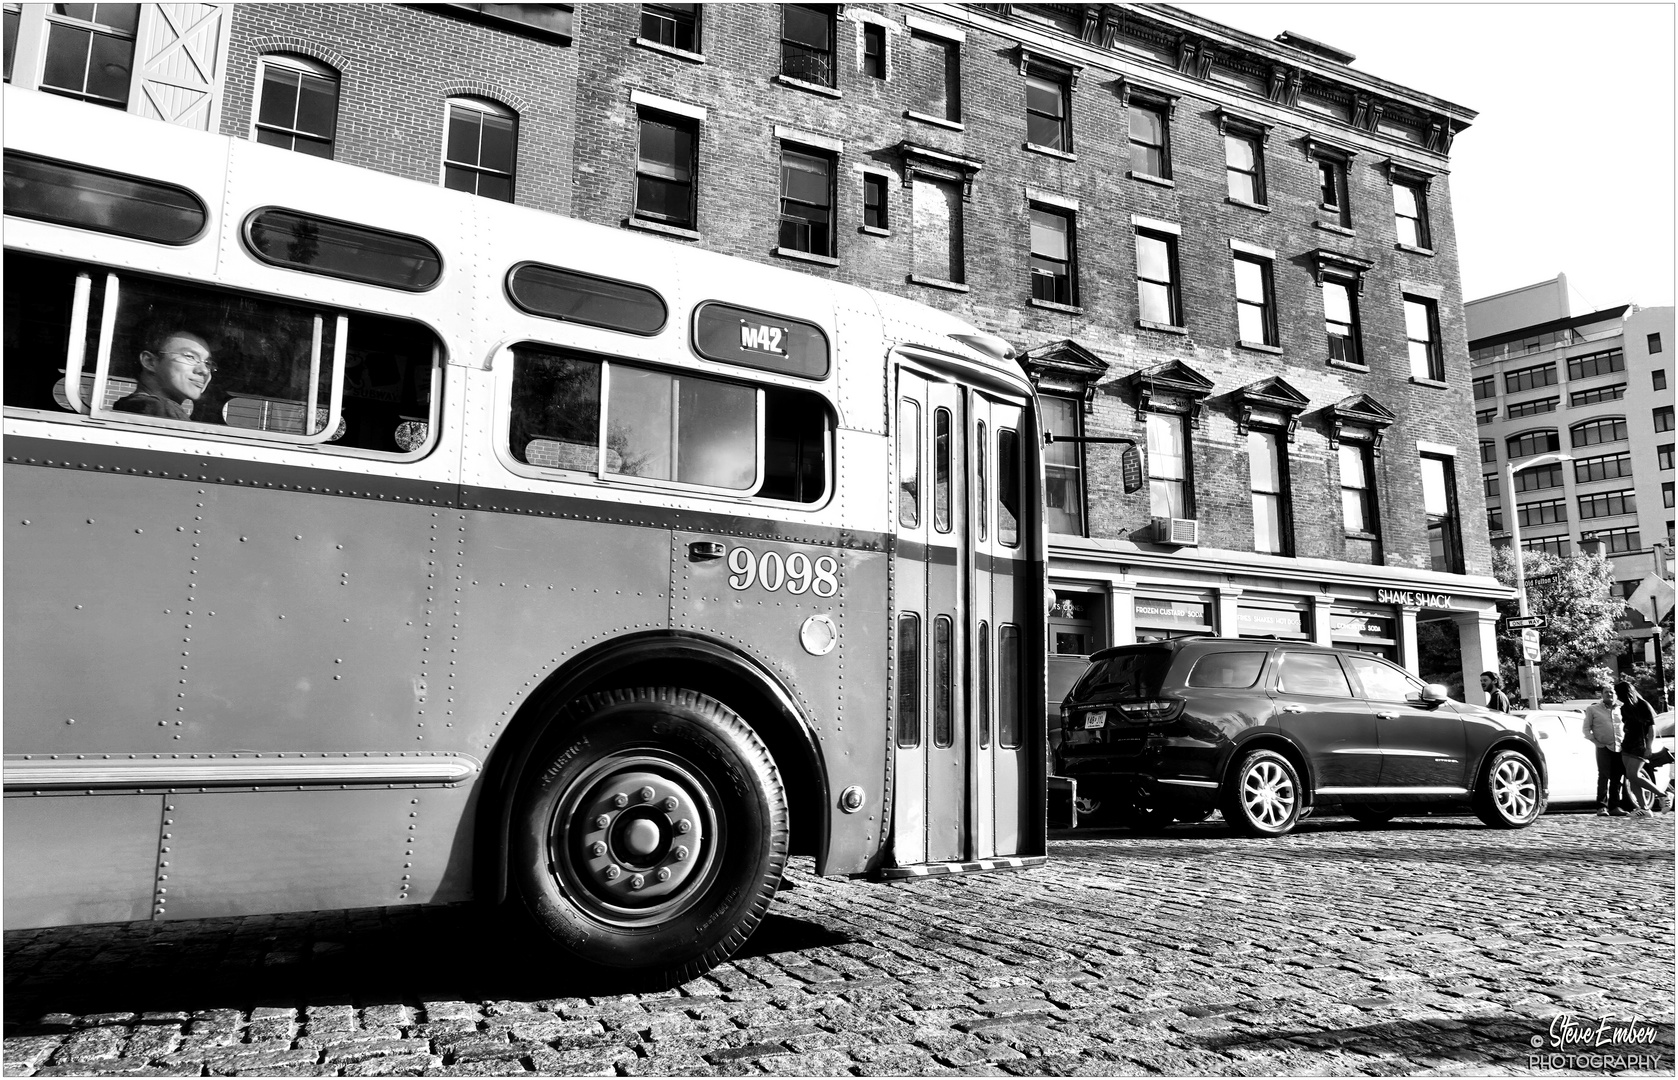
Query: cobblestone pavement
(1431, 946)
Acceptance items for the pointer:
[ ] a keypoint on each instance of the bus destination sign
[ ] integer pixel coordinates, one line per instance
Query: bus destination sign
(758, 339)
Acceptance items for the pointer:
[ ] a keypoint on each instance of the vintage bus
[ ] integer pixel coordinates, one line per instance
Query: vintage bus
(369, 543)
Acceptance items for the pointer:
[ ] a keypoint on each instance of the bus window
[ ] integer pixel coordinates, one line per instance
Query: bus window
(941, 470)
(1008, 686)
(391, 373)
(984, 487)
(583, 298)
(943, 726)
(908, 464)
(1008, 487)
(983, 689)
(908, 680)
(39, 323)
(318, 245)
(103, 201)
(667, 426)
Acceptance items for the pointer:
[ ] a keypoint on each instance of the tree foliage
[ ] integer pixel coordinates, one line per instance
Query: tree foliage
(1575, 596)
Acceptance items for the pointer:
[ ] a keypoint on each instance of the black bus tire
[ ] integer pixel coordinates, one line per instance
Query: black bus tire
(652, 833)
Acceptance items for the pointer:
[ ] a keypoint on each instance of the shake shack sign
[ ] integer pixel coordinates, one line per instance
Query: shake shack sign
(1416, 599)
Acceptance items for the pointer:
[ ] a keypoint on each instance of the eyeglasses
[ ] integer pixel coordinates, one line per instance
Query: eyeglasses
(195, 362)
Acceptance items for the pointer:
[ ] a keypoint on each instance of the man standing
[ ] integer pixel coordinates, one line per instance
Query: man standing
(1604, 730)
(175, 370)
(1492, 683)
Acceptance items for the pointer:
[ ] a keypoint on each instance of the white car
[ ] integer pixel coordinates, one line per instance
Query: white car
(1572, 758)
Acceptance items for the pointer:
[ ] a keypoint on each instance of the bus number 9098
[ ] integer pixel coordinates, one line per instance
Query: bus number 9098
(797, 572)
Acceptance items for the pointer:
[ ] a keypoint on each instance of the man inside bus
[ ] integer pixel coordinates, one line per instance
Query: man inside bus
(175, 370)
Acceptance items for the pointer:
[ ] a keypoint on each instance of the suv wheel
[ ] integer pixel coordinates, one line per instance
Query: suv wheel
(1509, 795)
(1262, 796)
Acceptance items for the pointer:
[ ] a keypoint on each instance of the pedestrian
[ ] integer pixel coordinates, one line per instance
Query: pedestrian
(1604, 730)
(1638, 717)
(1492, 683)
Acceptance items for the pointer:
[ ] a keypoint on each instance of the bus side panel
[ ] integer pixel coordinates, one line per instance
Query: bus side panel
(99, 577)
(769, 598)
(255, 852)
(73, 859)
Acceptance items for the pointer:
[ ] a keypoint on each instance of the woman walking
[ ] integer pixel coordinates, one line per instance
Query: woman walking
(1638, 716)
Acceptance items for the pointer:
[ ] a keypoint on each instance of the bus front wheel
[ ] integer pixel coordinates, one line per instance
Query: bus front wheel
(653, 832)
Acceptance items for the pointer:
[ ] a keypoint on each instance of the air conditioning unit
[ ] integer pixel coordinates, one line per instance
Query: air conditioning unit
(1179, 532)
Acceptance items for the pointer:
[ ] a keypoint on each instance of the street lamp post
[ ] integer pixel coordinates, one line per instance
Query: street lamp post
(1530, 688)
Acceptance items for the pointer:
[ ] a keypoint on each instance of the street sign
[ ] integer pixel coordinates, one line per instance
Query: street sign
(1529, 644)
(1524, 621)
(1540, 577)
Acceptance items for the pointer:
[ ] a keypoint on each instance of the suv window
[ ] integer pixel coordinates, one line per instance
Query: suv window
(1383, 682)
(1227, 669)
(1316, 674)
(1134, 674)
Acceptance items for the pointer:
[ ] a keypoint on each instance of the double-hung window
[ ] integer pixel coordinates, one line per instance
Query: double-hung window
(674, 26)
(1340, 320)
(1439, 505)
(481, 148)
(1267, 461)
(1421, 333)
(90, 52)
(1150, 147)
(1048, 116)
(1063, 493)
(875, 206)
(874, 50)
(299, 106)
(664, 170)
(1244, 165)
(1357, 496)
(1410, 213)
(1255, 310)
(1053, 264)
(1169, 489)
(1158, 298)
(1663, 418)
(806, 201)
(1333, 196)
(807, 43)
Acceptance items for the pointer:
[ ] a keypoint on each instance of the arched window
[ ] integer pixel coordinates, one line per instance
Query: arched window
(1528, 443)
(298, 109)
(1606, 430)
(480, 148)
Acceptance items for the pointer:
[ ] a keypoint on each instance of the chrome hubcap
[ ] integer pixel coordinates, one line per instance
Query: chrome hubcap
(1267, 794)
(1514, 789)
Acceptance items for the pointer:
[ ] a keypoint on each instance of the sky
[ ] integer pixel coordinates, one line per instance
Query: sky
(1569, 166)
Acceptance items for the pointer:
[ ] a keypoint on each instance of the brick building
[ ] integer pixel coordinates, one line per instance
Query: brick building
(1239, 252)
(1595, 387)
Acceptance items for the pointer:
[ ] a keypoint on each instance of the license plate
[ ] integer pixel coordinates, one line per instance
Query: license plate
(1095, 721)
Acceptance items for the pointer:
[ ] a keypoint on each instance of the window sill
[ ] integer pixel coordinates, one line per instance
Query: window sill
(1346, 365)
(873, 230)
(1436, 383)
(1050, 305)
(937, 283)
(935, 121)
(1164, 328)
(814, 88)
(1412, 249)
(1373, 538)
(1150, 178)
(1259, 346)
(1233, 201)
(805, 256)
(662, 229)
(1338, 230)
(670, 50)
(1048, 151)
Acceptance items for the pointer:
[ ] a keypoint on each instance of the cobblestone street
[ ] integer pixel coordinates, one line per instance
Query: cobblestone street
(1431, 946)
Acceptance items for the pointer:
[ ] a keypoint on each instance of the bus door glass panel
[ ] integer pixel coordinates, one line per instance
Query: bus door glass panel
(1420, 746)
(1315, 703)
(932, 561)
(1000, 616)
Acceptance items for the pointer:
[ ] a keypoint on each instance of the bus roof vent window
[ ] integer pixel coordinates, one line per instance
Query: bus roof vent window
(106, 202)
(317, 245)
(552, 293)
(757, 339)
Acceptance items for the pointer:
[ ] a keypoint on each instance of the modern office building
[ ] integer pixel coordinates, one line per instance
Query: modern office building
(1238, 252)
(1597, 387)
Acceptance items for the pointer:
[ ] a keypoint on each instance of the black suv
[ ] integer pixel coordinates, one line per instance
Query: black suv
(1266, 730)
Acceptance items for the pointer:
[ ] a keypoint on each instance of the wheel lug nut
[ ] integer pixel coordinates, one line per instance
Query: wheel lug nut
(663, 873)
(670, 804)
(647, 794)
(681, 853)
(612, 873)
(684, 826)
(597, 849)
(602, 821)
(637, 881)
(620, 800)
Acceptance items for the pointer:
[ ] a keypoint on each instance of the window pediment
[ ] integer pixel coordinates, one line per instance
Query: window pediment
(919, 158)
(1065, 367)
(1171, 387)
(1270, 402)
(1128, 88)
(1358, 417)
(1327, 262)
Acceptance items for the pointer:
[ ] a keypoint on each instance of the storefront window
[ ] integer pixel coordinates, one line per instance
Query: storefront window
(1289, 622)
(1159, 617)
(1370, 630)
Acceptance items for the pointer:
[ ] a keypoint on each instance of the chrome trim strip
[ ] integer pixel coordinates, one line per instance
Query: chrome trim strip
(1417, 753)
(1186, 783)
(236, 771)
(1360, 750)
(1001, 862)
(1392, 791)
